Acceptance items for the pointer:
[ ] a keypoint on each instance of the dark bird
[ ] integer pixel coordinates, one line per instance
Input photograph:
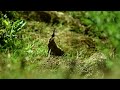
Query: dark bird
(52, 47)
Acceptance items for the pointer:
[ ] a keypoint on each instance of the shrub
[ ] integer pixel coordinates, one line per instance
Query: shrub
(9, 31)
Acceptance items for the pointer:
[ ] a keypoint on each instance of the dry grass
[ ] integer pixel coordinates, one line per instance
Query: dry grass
(32, 60)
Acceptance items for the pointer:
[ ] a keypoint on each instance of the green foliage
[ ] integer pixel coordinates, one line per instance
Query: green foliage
(31, 60)
(108, 22)
(10, 30)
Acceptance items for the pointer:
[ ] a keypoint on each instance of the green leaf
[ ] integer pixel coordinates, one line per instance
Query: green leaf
(18, 25)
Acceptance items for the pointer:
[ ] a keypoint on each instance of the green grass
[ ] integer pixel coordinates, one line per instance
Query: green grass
(30, 58)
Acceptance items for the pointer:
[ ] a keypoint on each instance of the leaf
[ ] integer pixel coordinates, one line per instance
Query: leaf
(17, 26)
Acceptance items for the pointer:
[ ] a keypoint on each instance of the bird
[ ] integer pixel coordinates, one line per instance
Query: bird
(53, 48)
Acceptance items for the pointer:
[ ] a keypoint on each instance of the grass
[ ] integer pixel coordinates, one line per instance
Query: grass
(31, 60)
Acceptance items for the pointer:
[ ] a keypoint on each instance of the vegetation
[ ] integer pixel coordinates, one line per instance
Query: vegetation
(90, 41)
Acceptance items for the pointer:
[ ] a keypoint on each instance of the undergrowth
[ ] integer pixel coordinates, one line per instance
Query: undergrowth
(91, 45)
